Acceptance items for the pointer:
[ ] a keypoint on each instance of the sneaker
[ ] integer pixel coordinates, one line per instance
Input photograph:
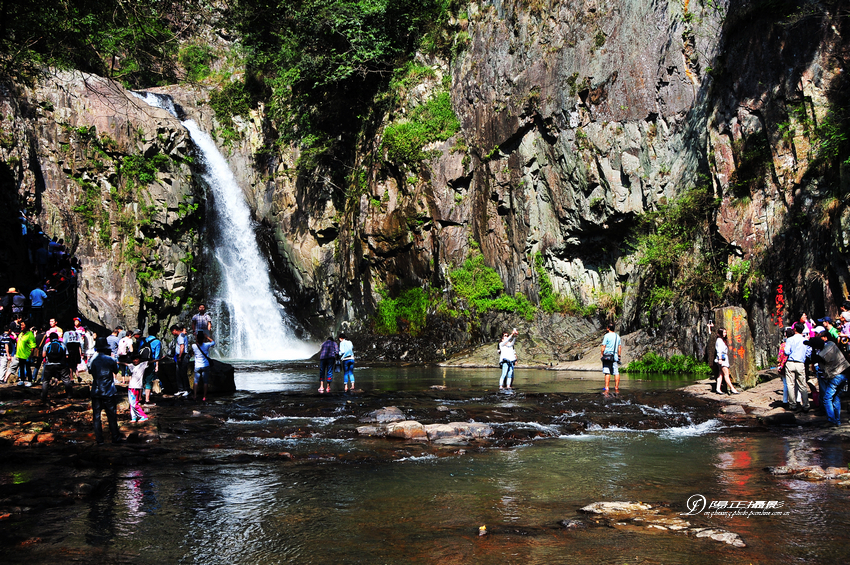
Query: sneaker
(27, 384)
(20, 383)
(143, 420)
(133, 420)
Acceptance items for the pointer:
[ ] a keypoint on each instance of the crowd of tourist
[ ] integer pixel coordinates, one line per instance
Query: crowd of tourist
(813, 361)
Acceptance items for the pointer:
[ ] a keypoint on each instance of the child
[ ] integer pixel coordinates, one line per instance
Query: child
(134, 390)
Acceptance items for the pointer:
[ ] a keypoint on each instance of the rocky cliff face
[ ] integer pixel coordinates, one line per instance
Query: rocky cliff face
(97, 167)
(576, 118)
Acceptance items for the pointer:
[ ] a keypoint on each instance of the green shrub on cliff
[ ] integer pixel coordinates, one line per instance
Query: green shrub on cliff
(678, 251)
(482, 289)
(434, 120)
(409, 309)
(134, 42)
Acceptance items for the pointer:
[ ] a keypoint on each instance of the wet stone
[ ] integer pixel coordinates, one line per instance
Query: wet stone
(407, 430)
(388, 414)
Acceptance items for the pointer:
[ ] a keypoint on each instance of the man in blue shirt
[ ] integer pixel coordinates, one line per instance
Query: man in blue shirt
(37, 298)
(795, 369)
(611, 351)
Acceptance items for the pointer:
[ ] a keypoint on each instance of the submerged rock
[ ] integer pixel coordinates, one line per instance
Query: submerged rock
(645, 517)
(616, 508)
(387, 414)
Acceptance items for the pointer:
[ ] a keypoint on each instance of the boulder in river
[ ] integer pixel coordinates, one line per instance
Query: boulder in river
(409, 429)
(387, 414)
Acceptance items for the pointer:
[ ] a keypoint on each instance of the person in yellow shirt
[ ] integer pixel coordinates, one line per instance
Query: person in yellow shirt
(26, 347)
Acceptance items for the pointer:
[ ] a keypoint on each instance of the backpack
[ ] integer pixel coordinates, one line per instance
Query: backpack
(145, 350)
(56, 353)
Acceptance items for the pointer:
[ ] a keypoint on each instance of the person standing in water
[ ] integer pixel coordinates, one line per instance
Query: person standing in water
(327, 360)
(612, 349)
(507, 359)
(346, 356)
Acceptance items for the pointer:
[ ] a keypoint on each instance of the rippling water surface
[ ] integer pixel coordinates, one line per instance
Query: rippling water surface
(427, 509)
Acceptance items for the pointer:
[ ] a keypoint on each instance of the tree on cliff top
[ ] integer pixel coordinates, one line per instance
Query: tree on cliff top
(326, 61)
(133, 41)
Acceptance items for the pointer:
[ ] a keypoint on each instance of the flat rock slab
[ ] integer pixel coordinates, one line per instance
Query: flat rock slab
(643, 517)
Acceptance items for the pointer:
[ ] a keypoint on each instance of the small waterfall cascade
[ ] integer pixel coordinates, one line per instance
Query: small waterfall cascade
(249, 320)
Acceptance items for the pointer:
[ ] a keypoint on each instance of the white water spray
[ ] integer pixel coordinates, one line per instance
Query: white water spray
(258, 326)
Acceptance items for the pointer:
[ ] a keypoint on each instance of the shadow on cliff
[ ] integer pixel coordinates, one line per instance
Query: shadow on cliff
(769, 50)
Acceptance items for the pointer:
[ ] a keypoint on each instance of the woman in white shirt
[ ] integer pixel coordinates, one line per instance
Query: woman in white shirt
(507, 359)
(201, 349)
(721, 359)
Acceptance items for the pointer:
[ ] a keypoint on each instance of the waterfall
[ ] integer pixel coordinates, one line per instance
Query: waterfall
(256, 325)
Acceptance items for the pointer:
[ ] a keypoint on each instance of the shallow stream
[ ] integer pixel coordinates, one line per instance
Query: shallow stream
(412, 505)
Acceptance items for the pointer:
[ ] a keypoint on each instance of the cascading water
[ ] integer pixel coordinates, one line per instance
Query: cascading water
(257, 327)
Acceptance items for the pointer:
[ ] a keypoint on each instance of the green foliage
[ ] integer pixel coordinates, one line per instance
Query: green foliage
(91, 207)
(328, 64)
(482, 289)
(235, 99)
(553, 302)
(675, 247)
(130, 41)
(196, 59)
(409, 309)
(139, 170)
(434, 120)
(677, 364)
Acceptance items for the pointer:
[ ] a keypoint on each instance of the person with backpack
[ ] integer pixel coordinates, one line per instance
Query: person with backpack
(104, 396)
(149, 349)
(55, 366)
(74, 339)
(835, 368)
(203, 366)
(612, 350)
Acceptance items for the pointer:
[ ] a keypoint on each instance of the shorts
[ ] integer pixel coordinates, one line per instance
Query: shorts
(150, 377)
(202, 374)
(612, 368)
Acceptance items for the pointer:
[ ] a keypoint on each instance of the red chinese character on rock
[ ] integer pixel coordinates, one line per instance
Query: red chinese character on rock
(780, 307)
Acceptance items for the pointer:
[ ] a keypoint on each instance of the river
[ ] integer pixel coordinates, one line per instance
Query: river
(404, 503)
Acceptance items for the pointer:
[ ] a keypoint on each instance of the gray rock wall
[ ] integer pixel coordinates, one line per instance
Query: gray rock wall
(135, 236)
